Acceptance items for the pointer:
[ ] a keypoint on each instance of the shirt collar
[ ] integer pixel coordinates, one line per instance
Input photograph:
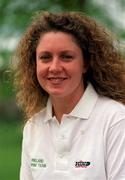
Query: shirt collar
(83, 108)
(86, 104)
(48, 112)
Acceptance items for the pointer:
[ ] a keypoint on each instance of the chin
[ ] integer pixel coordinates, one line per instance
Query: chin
(56, 94)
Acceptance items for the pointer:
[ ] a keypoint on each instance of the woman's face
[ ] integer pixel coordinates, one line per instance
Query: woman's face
(60, 65)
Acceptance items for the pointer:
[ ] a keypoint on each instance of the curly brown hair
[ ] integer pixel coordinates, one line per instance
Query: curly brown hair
(106, 69)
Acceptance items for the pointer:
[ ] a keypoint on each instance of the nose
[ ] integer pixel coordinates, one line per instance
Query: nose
(55, 65)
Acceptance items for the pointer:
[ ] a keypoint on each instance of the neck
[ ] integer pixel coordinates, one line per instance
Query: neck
(64, 105)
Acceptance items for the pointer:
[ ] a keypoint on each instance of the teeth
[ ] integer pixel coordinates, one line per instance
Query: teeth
(56, 78)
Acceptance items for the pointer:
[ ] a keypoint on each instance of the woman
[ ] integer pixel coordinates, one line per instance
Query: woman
(70, 82)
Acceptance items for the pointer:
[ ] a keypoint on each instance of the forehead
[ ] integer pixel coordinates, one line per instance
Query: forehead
(57, 38)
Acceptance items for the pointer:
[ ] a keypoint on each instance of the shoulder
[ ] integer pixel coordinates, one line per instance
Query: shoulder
(34, 123)
(35, 129)
(111, 105)
(110, 110)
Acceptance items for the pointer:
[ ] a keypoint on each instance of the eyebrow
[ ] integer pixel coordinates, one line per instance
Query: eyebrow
(63, 51)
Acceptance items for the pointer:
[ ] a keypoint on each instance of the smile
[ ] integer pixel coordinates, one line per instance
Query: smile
(56, 80)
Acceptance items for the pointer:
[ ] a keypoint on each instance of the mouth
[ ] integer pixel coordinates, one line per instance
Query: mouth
(56, 80)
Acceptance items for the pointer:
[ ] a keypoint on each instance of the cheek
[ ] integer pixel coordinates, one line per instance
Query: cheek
(79, 70)
(40, 69)
(37, 71)
(40, 76)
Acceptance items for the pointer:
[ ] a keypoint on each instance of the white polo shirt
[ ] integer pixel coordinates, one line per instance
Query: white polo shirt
(89, 144)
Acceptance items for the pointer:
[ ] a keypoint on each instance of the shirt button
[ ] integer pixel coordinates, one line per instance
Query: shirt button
(62, 136)
(61, 155)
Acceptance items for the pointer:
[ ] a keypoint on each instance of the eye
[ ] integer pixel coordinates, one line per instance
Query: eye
(66, 57)
(44, 58)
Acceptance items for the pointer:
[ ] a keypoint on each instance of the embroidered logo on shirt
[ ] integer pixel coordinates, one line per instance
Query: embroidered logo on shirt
(82, 164)
(38, 163)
